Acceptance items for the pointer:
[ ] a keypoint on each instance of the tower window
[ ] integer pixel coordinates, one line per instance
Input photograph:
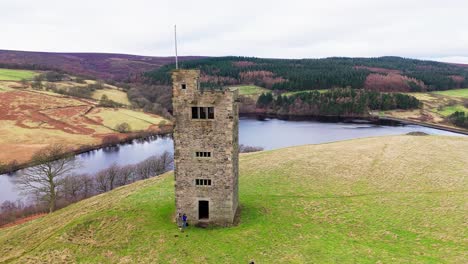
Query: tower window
(183, 86)
(203, 154)
(210, 112)
(194, 112)
(203, 182)
(202, 112)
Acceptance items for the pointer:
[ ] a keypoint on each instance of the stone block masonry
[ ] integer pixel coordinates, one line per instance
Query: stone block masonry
(206, 150)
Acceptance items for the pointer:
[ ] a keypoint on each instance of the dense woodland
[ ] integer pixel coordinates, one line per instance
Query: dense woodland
(335, 102)
(314, 74)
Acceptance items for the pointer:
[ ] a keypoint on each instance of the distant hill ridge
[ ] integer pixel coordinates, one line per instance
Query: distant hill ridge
(108, 66)
(389, 74)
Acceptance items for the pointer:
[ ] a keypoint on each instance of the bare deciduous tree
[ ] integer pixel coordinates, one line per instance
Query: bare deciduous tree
(71, 188)
(87, 182)
(106, 179)
(51, 165)
(126, 175)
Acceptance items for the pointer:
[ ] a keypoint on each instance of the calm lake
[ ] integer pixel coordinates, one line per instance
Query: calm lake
(269, 133)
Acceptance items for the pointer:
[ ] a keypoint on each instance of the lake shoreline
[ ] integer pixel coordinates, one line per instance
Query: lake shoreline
(408, 121)
(163, 131)
(384, 120)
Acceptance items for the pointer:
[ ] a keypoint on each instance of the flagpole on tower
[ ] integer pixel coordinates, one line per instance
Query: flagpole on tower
(175, 42)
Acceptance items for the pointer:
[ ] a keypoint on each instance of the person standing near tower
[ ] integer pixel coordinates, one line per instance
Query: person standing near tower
(179, 221)
(184, 221)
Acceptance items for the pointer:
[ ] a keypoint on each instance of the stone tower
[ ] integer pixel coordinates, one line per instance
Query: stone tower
(206, 152)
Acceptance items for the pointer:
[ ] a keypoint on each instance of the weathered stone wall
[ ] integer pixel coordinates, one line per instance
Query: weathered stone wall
(219, 136)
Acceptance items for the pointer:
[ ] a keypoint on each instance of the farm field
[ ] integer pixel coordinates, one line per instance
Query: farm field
(15, 75)
(249, 90)
(113, 94)
(387, 199)
(296, 92)
(436, 107)
(448, 110)
(112, 117)
(456, 93)
(30, 120)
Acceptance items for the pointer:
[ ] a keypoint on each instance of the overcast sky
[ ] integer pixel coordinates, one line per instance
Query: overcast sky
(429, 29)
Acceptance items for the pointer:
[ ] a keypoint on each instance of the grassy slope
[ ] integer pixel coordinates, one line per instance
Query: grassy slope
(113, 94)
(15, 75)
(457, 93)
(385, 199)
(251, 90)
(436, 107)
(296, 92)
(448, 110)
(137, 120)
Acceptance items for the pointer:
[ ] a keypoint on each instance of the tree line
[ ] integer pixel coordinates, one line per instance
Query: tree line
(335, 102)
(313, 74)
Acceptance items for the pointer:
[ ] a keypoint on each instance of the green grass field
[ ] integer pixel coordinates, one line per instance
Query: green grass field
(113, 94)
(296, 92)
(15, 75)
(456, 93)
(448, 110)
(389, 199)
(251, 90)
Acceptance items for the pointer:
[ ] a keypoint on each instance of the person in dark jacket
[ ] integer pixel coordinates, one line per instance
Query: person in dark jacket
(184, 221)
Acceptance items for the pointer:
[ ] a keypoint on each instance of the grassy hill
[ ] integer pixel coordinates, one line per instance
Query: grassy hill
(375, 200)
(15, 75)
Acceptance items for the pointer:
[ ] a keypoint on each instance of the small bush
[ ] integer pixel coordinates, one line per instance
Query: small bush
(37, 85)
(53, 76)
(123, 127)
(51, 87)
(106, 102)
(459, 119)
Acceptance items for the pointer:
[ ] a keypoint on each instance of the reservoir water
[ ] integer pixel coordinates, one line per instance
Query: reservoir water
(268, 133)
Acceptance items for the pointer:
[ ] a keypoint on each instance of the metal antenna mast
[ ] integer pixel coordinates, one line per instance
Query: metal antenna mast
(175, 41)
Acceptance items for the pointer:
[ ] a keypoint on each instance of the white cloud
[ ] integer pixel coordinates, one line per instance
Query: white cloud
(288, 29)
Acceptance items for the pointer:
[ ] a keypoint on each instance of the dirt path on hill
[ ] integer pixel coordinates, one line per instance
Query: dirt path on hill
(23, 220)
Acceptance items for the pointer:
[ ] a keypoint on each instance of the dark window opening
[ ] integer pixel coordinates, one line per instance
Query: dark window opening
(195, 112)
(202, 112)
(203, 210)
(203, 182)
(202, 154)
(210, 112)
(183, 86)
